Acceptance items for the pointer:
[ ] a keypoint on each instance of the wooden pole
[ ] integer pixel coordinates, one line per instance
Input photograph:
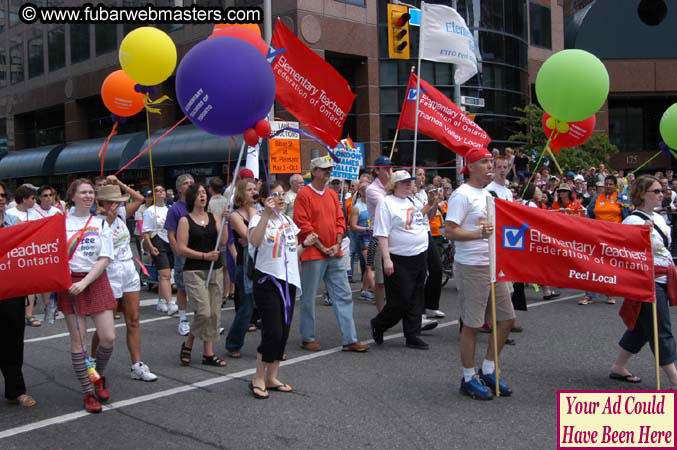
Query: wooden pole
(655, 345)
(392, 149)
(494, 335)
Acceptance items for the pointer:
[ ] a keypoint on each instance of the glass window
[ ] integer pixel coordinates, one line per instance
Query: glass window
(443, 74)
(56, 48)
(36, 65)
(169, 27)
(127, 27)
(539, 25)
(3, 16)
(3, 67)
(390, 100)
(16, 64)
(106, 38)
(79, 42)
(388, 73)
(516, 18)
(353, 2)
(14, 6)
(491, 14)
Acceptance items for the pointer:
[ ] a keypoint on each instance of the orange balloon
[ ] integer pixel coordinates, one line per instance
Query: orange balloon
(119, 96)
(245, 35)
(245, 26)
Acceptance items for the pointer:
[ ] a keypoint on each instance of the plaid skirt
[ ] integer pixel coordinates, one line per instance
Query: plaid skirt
(97, 297)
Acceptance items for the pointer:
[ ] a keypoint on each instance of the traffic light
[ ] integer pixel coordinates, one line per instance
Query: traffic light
(398, 31)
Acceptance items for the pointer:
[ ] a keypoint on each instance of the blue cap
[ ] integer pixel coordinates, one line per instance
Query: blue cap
(383, 161)
(571, 174)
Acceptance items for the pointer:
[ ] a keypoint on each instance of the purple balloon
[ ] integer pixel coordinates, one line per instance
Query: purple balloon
(224, 85)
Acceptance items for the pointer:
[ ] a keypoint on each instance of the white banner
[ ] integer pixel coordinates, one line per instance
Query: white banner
(446, 38)
(253, 160)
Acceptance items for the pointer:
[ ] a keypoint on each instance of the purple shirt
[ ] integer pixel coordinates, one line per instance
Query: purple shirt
(177, 211)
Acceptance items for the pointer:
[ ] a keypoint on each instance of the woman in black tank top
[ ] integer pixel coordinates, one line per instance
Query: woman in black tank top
(196, 240)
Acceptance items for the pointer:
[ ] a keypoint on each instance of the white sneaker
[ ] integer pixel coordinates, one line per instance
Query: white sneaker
(427, 325)
(142, 372)
(184, 327)
(365, 294)
(172, 308)
(326, 301)
(434, 314)
(162, 305)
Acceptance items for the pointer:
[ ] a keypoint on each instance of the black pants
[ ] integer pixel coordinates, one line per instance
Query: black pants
(633, 340)
(433, 284)
(404, 291)
(274, 330)
(12, 349)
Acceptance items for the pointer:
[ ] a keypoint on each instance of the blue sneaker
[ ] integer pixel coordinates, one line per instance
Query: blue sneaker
(476, 389)
(490, 380)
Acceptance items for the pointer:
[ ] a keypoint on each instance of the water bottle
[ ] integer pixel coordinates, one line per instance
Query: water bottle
(50, 309)
(91, 371)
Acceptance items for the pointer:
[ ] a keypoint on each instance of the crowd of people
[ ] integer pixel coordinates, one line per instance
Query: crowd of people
(268, 248)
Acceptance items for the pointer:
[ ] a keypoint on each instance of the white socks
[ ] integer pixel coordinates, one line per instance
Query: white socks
(468, 374)
(488, 367)
(182, 314)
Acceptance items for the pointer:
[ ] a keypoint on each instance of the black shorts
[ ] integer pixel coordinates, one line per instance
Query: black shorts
(165, 259)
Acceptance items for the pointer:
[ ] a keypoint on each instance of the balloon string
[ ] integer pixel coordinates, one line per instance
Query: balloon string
(147, 102)
(104, 147)
(553, 135)
(648, 161)
(150, 158)
(143, 152)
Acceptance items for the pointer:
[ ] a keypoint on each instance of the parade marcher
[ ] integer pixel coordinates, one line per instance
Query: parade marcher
(157, 242)
(217, 204)
(138, 219)
(12, 327)
(317, 210)
(566, 203)
(646, 194)
(90, 249)
(467, 225)
(174, 214)
(122, 274)
(383, 170)
(44, 205)
(273, 245)
(196, 240)
(360, 226)
(404, 239)
(295, 184)
(245, 198)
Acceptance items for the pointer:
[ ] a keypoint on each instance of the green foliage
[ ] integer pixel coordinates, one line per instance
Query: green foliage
(594, 151)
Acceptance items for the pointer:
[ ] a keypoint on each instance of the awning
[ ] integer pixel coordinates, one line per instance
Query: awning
(82, 156)
(188, 145)
(34, 162)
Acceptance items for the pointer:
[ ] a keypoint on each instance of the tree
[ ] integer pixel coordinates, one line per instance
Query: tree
(593, 152)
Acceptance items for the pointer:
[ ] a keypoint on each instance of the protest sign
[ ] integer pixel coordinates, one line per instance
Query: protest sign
(284, 150)
(351, 160)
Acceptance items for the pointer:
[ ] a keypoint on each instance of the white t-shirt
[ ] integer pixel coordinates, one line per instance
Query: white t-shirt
(120, 234)
(421, 199)
(467, 207)
(44, 214)
(375, 192)
(138, 217)
(661, 255)
(503, 192)
(402, 223)
(280, 234)
(96, 242)
(154, 221)
(26, 216)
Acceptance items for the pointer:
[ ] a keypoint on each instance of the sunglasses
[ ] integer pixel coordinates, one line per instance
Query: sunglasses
(3, 195)
(657, 191)
(276, 194)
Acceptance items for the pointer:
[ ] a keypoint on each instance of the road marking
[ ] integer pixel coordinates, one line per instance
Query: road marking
(209, 382)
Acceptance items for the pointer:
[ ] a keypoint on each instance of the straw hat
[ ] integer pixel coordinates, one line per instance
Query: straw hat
(111, 193)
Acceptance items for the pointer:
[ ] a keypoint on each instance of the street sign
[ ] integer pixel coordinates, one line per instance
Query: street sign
(472, 101)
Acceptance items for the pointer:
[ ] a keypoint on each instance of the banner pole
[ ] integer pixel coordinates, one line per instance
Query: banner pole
(392, 149)
(494, 335)
(655, 344)
(418, 88)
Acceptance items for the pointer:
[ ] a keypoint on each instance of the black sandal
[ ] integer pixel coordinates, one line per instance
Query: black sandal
(256, 394)
(184, 356)
(213, 360)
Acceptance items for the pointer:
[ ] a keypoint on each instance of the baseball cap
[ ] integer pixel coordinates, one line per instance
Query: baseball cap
(401, 175)
(322, 162)
(579, 178)
(571, 174)
(148, 193)
(475, 155)
(246, 173)
(382, 161)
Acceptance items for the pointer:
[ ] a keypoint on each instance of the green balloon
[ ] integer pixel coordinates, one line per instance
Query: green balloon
(668, 126)
(572, 85)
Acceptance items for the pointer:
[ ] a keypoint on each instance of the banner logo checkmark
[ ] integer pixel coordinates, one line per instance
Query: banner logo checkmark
(514, 238)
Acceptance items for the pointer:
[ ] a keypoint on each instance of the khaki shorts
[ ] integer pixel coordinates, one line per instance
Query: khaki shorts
(378, 266)
(474, 288)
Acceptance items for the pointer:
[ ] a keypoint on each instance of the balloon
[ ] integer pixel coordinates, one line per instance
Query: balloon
(119, 96)
(245, 35)
(250, 137)
(576, 132)
(224, 86)
(668, 126)
(263, 128)
(245, 26)
(148, 56)
(572, 85)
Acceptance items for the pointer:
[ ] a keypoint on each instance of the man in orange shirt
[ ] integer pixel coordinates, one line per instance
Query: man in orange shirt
(317, 210)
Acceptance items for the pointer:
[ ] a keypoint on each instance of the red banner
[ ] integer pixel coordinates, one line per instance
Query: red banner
(308, 87)
(440, 119)
(34, 258)
(546, 247)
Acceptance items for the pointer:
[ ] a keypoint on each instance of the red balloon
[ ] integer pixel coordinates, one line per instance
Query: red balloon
(244, 34)
(119, 96)
(578, 133)
(250, 137)
(263, 128)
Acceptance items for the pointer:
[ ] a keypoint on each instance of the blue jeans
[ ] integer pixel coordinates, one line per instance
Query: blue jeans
(333, 272)
(238, 330)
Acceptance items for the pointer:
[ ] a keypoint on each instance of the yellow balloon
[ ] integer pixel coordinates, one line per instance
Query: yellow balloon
(148, 56)
(551, 123)
(562, 127)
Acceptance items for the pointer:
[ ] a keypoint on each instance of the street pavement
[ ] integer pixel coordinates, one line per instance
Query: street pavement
(391, 397)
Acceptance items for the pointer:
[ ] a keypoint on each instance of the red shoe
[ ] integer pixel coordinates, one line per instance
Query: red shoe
(102, 393)
(92, 405)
